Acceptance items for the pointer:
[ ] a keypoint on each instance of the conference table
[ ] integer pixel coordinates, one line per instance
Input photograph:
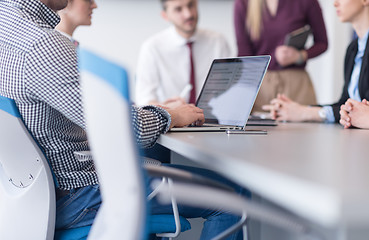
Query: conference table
(319, 172)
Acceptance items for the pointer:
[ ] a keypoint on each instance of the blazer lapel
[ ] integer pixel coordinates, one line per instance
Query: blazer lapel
(363, 85)
(350, 62)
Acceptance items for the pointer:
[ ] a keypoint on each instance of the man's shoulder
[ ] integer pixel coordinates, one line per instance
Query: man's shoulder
(211, 38)
(158, 42)
(158, 37)
(16, 26)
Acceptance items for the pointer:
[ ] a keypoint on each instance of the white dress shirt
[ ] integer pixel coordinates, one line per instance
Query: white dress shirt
(163, 69)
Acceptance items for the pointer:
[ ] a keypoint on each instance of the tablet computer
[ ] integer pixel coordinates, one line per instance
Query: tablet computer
(297, 38)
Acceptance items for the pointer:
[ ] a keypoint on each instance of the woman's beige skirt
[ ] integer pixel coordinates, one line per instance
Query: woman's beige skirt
(294, 83)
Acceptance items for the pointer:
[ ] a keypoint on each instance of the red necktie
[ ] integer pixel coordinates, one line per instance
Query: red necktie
(192, 76)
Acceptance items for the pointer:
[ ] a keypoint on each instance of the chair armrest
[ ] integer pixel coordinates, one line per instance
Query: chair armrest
(155, 169)
(184, 176)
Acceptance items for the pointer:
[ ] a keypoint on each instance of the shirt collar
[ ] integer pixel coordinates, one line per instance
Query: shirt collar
(179, 40)
(362, 42)
(66, 35)
(37, 9)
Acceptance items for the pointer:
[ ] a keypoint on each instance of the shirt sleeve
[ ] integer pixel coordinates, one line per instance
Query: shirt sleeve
(244, 43)
(148, 123)
(147, 76)
(329, 114)
(316, 22)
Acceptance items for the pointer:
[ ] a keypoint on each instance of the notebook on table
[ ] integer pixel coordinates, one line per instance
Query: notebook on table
(229, 93)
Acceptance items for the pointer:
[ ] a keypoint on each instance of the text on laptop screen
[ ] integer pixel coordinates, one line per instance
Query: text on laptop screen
(231, 88)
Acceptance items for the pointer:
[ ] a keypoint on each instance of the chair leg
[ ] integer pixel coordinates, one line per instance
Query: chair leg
(234, 228)
(175, 213)
(157, 189)
(244, 232)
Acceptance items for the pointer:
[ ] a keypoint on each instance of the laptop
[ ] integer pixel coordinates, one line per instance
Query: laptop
(229, 93)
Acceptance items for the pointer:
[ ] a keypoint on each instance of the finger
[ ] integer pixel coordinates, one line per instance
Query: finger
(351, 101)
(276, 101)
(200, 121)
(343, 112)
(346, 107)
(345, 117)
(344, 123)
(274, 115)
(169, 100)
(198, 110)
(285, 98)
(267, 107)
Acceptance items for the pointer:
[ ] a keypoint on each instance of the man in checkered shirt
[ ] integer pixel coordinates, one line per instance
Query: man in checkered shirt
(38, 69)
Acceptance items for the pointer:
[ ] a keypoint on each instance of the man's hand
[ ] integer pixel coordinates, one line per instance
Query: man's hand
(174, 102)
(170, 103)
(185, 115)
(345, 119)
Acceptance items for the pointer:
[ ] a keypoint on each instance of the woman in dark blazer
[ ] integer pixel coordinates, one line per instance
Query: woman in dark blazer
(356, 72)
(363, 85)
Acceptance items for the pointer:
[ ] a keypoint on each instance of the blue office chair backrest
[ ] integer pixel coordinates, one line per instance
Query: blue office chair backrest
(108, 117)
(107, 109)
(27, 195)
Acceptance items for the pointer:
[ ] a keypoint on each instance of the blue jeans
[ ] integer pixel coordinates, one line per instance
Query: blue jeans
(80, 206)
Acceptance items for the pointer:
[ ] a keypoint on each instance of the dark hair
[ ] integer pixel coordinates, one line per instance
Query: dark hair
(163, 3)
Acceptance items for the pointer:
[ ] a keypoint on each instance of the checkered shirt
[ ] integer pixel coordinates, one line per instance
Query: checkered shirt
(38, 69)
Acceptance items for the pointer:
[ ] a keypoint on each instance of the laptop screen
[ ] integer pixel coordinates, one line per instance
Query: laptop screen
(230, 89)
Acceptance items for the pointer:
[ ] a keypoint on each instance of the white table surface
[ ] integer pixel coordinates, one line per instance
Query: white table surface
(318, 171)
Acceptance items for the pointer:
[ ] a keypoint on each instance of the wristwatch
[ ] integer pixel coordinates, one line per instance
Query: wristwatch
(322, 114)
(301, 60)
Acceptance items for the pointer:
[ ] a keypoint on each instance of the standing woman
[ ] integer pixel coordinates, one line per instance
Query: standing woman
(77, 13)
(261, 27)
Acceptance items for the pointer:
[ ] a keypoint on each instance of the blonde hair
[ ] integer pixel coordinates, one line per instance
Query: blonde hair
(254, 18)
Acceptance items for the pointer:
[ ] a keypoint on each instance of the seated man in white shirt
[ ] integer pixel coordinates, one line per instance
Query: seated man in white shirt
(164, 65)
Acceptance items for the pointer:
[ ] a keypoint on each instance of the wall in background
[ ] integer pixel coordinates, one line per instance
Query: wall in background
(120, 27)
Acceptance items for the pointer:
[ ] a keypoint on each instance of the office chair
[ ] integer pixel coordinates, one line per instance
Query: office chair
(123, 212)
(27, 191)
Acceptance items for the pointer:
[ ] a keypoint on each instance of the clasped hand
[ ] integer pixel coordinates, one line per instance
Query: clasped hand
(355, 114)
(283, 108)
